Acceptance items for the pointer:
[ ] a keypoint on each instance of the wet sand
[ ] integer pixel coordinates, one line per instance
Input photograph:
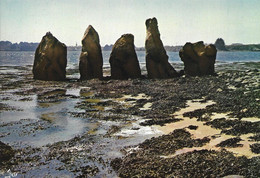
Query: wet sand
(184, 127)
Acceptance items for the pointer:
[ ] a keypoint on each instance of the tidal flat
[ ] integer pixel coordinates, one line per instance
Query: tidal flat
(206, 126)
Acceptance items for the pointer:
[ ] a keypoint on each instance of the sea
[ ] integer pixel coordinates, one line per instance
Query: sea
(25, 58)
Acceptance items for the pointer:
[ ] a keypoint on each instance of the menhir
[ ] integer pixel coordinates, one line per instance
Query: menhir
(198, 59)
(157, 64)
(50, 59)
(91, 60)
(123, 59)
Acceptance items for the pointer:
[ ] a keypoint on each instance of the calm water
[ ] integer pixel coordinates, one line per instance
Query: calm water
(22, 58)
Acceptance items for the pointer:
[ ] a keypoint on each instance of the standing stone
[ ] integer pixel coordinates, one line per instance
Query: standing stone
(123, 59)
(50, 59)
(156, 58)
(198, 59)
(91, 60)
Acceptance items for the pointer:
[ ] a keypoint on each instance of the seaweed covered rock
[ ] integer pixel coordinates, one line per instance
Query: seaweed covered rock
(198, 59)
(50, 59)
(123, 59)
(6, 152)
(156, 58)
(91, 60)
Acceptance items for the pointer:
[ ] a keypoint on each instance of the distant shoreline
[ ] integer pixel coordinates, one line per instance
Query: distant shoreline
(25, 46)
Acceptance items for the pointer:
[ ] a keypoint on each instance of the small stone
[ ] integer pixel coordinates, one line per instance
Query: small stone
(193, 127)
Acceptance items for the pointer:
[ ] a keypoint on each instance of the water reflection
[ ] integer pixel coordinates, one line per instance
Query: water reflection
(43, 119)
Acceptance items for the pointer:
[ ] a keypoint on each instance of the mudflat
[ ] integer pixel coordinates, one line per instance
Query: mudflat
(206, 126)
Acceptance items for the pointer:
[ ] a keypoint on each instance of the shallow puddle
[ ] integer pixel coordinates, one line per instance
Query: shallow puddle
(251, 119)
(130, 100)
(84, 93)
(147, 106)
(23, 109)
(243, 150)
(207, 131)
(136, 130)
(73, 92)
(191, 106)
(45, 118)
(138, 97)
(93, 100)
(226, 116)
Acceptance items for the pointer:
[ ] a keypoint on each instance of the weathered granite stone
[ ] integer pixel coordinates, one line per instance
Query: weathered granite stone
(123, 59)
(198, 59)
(50, 59)
(156, 58)
(91, 60)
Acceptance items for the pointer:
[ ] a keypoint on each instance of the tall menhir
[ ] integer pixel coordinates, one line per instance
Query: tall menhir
(91, 60)
(157, 64)
(50, 59)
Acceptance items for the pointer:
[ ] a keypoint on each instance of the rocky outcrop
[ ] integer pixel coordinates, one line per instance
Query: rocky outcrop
(6, 153)
(220, 44)
(198, 59)
(156, 58)
(91, 60)
(123, 59)
(50, 59)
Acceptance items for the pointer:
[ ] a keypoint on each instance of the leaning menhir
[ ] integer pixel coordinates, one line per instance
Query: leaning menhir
(123, 59)
(156, 58)
(91, 60)
(50, 59)
(198, 59)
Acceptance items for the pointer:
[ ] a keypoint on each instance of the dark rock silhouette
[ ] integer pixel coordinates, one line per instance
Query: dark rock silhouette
(220, 44)
(156, 58)
(91, 60)
(198, 59)
(50, 59)
(107, 47)
(123, 59)
(6, 153)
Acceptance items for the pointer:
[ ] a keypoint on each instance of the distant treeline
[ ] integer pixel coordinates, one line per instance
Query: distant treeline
(22, 46)
(25, 46)
(242, 47)
(167, 48)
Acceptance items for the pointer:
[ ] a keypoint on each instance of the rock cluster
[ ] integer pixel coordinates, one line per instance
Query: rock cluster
(123, 59)
(198, 59)
(50, 59)
(91, 60)
(156, 58)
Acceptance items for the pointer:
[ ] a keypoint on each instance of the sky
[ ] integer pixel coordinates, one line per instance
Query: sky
(179, 21)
